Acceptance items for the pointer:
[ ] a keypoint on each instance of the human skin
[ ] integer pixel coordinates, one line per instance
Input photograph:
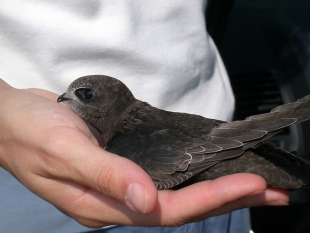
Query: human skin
(57, 156)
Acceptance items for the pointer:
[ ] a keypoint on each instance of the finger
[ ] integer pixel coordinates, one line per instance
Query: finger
(271, 196)
(202, 200)
(174, 208)
(198, 200)
(276, 197)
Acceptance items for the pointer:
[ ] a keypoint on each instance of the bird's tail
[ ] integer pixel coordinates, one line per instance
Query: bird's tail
(278, 167)
(281, 168)
(271, 123)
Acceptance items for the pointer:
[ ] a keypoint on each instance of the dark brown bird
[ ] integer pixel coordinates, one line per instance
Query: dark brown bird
(177, 147)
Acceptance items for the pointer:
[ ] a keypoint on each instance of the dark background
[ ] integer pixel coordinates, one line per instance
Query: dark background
(265, 46)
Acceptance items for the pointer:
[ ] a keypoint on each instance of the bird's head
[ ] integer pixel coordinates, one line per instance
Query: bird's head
(98, 99)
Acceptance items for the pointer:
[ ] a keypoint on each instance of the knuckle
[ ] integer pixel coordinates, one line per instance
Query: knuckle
(51, 152)
(105, 180)
(52, 143)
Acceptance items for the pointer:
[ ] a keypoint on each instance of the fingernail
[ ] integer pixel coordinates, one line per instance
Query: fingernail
(276, 203)
(137, 198)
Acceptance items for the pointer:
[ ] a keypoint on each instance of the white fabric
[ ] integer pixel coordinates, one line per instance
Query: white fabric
(159, 49)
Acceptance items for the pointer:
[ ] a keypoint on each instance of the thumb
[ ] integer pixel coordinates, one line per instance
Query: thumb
(111, 175)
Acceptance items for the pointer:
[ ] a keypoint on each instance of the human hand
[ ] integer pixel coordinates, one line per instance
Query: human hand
(53, 152)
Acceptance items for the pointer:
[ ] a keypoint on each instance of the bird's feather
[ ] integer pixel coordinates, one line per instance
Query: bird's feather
(174, 148)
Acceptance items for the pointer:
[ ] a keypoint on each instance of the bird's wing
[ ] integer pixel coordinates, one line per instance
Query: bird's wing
(186, 145)
(170, 156)
(173, 155)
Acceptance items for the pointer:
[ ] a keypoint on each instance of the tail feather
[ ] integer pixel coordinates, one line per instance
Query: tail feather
(299, 110)
(278, 119)
(295, 165)
(265, 125)
(278, 167)
(302, 103)
(300, 115)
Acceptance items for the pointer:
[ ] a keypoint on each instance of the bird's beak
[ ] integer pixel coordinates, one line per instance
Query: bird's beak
(62, 98)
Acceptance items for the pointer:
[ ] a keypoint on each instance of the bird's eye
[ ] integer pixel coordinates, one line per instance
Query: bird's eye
(84, 94)
(88, 94)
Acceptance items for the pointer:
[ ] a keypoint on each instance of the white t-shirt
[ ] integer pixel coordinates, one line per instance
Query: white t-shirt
(159, 49)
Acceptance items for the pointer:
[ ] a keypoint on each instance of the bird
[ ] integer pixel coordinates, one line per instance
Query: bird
(179, 149)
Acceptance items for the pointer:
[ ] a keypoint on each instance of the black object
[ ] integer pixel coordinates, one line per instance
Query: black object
(174, 148)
